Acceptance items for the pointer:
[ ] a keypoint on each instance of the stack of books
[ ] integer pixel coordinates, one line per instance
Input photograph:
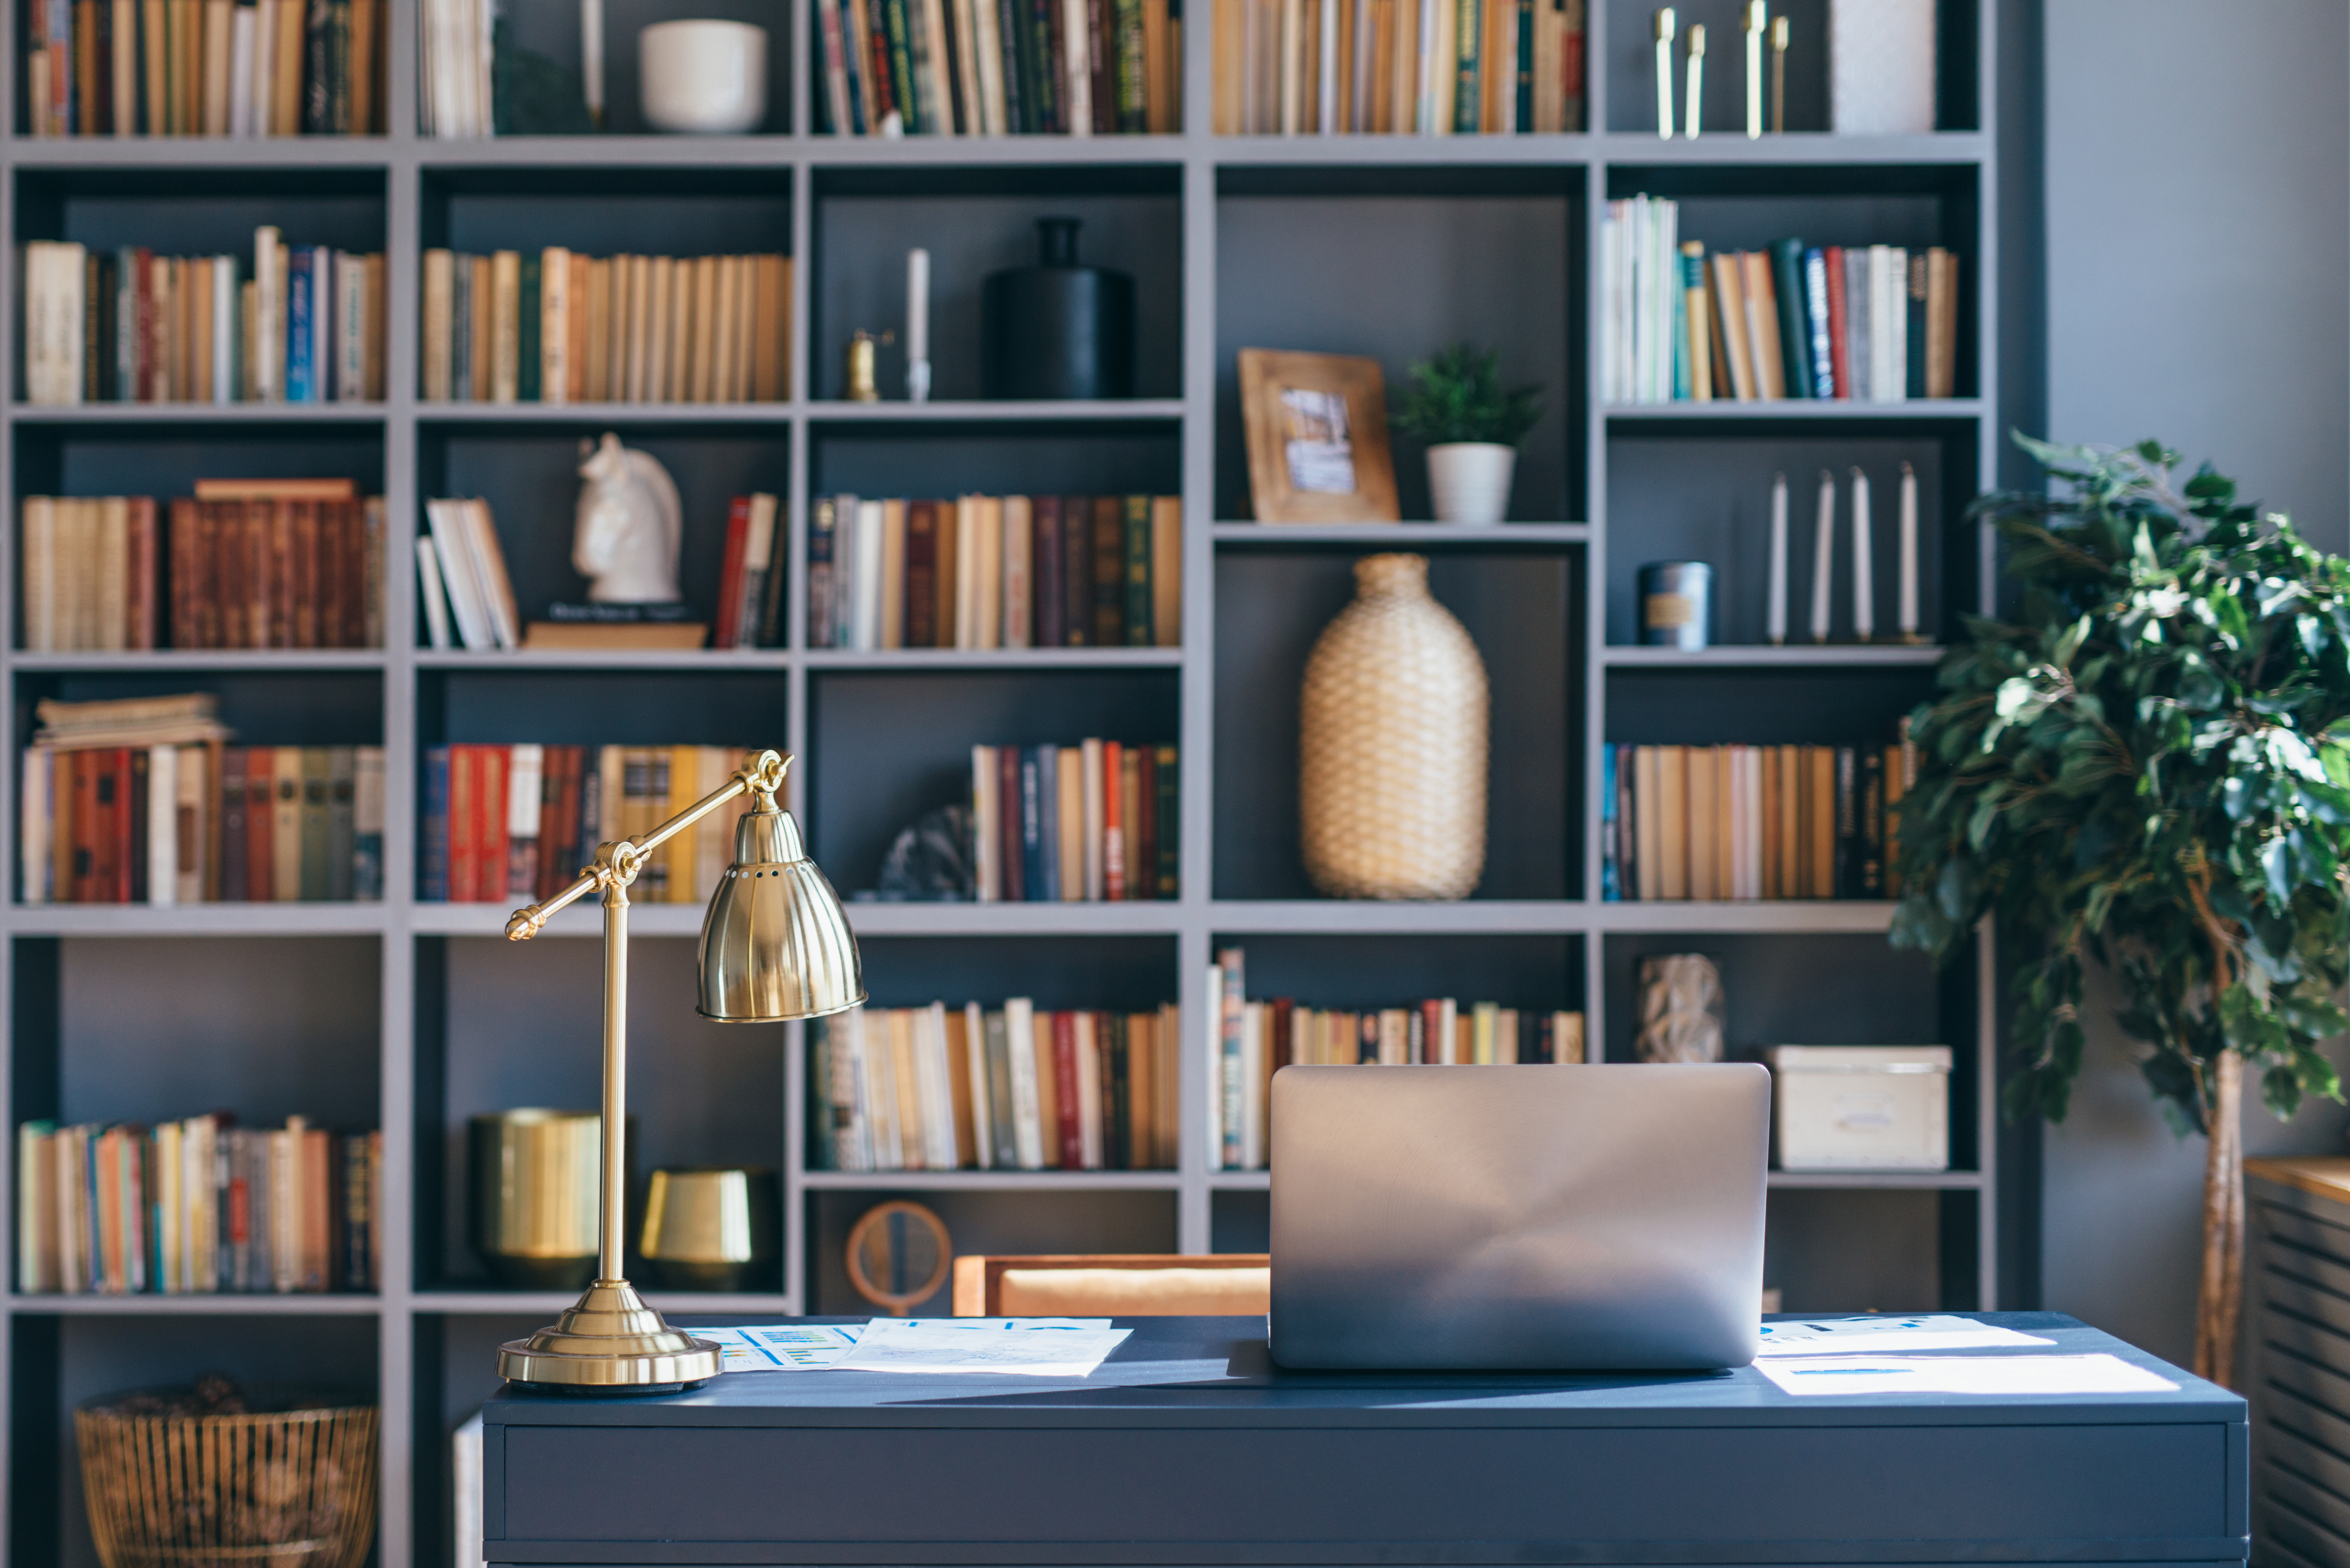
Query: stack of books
(557, 326)
(515, 824)
(996, 67)
(242, 564)
(197, 1205)
(138, 801)
(931, 1088)
(1865, 323)
(1248, 1041)
(204, 68)
(306, 325)
(1753, 821)
(1427, 68)
(996, 571)
(1098, 821)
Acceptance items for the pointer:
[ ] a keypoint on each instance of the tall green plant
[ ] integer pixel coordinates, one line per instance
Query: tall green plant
(2149, 767)
(1458, 395)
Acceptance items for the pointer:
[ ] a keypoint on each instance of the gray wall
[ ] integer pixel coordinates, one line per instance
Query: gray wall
(2198, 243)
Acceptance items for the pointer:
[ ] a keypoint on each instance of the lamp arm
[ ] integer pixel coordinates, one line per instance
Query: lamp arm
(618, 861)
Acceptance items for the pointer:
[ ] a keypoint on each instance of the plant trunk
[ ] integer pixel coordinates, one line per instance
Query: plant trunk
(2219, 1300)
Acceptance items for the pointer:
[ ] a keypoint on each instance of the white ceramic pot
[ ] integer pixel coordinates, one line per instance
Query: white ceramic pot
(702, 78)
(1470, 481)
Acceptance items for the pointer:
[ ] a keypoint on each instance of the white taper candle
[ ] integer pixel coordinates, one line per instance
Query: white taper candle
(1778, 612)
(1908, 554)
(1863, 576)
(591, 57)
(1823, 556)
(917, 325)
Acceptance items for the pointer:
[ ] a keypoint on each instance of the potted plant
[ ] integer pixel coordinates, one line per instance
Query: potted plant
(2148, 766)
(1472, 426)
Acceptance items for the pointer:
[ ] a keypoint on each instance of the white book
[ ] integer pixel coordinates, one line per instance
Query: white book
(162, 826)
(53, 317)
(938, 1090)
(1076, 93)
(467, 603)
(974, 1039)
(1019, 594)
(320, 263)
(1883, 317)
(36, 821)
(987, 825)
(1089, 1076)
(465, 1473)
(1090, 755)
(525, 765)
(1893, 327)
(431, 590)
(191, 836)
(267, 369)
(1326, 97)
(867, 619)
(36, 1210)
(488, 565)
(989, 48)
(1856, 308)
(243, 25)
(1211, 1120)
(1027, 1128)
(845, 534)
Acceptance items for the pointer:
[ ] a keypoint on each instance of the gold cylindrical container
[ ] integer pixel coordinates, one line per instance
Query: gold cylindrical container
(535, 1196)
(1392, 744)
(711, 1230)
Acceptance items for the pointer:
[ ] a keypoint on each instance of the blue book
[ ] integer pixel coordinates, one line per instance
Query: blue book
(432, 862)
(1046, 888)
(301, 372)
(1815, 299)
(1611, 887)
(1032, 830)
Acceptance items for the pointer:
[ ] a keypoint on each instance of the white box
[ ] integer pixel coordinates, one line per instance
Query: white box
(1861, 1107)
(1880, 66)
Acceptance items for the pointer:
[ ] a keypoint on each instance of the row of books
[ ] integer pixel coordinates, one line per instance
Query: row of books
(515, 824)
(1098, 821)
(462, 578)
(558, 326)
(1009, 1088)
(239, 565)
(996, 571)
(1863, 323)
(1429, 67)
(1000, 68)
(205, 67)
(200, 1206)
(304, 324)
(1751, 822)
(1248, 1041)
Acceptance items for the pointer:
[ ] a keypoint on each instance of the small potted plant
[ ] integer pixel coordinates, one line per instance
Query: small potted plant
(1472, 428)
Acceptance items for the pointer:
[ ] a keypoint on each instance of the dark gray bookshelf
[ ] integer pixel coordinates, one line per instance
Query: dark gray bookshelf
(415, 1016)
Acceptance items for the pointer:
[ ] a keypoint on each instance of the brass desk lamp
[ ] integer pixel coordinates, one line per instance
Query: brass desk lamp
(776, 946)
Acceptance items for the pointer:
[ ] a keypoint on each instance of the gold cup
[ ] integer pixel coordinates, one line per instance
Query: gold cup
(537, 1197)
(709, 1230)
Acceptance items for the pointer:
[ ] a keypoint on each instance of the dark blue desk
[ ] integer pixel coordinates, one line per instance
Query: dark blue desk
(1188, 1448)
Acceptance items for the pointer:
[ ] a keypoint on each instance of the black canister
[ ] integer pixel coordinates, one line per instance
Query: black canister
(1057, 329)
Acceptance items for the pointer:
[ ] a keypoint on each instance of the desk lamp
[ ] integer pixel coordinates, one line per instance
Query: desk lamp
(776, 946)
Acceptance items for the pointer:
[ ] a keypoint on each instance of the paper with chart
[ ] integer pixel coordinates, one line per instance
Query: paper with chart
(1026, 1346)
(1979, 1375)
(1886, 1336)
(781, 1346)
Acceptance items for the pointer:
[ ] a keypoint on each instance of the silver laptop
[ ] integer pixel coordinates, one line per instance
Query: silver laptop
(1587, 1218)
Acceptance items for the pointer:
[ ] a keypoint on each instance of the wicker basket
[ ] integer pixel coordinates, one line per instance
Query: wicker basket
(293, 1483)
(1393, 743)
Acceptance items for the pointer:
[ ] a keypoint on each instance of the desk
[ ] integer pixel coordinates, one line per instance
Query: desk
(1188, 1448)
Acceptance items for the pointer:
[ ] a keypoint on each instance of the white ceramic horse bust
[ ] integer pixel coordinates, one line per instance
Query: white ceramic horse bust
(629, 526)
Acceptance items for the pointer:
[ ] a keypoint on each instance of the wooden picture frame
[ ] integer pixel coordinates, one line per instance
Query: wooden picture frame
(1290, 400)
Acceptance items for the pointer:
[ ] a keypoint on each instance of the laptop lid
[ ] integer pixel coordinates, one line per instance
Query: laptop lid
(1591, 1217)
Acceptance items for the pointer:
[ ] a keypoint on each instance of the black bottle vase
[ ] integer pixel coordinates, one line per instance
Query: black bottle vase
(1057, 329)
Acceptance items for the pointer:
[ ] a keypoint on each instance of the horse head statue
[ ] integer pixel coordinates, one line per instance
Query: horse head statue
(630, 525)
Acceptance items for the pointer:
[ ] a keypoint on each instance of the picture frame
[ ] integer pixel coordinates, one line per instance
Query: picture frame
(1317, 438)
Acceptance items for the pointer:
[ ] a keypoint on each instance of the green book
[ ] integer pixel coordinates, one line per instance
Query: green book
(1468, 115)
(317, 823)
(1133, 93)
(824, 1153)
(1003, 1141)
(526, 373)
(342, 801)
(902, 67)
(1794, 320)
(1137, 571)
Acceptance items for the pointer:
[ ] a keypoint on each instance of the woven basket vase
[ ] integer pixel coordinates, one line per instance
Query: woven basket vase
(1393, 743)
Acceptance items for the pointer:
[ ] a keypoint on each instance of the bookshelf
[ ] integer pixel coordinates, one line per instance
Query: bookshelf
(414, 1016)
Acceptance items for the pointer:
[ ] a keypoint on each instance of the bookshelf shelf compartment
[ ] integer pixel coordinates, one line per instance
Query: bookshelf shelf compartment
(686, 704)
(1856, 704)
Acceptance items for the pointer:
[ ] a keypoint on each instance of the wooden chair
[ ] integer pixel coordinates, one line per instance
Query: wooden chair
(1114, 1284)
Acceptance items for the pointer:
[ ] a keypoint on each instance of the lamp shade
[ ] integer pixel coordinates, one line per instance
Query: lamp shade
(776, 944)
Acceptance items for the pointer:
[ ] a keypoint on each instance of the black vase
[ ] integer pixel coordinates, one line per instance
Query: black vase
(1057, 329)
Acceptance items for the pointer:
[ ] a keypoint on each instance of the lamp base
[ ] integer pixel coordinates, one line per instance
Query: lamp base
(609, 1342)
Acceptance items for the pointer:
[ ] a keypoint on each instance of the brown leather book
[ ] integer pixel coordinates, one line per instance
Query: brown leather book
(1109, 591)
(949, 555)
(1078, 571)
(921, 575)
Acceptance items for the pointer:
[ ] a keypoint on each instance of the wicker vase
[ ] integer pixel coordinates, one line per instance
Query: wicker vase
(1393, 743)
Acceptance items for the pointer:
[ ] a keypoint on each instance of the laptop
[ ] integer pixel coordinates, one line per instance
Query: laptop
(1585, 1217)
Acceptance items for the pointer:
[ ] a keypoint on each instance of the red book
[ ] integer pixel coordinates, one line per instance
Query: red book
(184, 550)
(140, 620)
(260, 793)
(1015, 870)
(1839, 345)
(231, 558)
(1077, 571)
(558, 820)
(921, 621)
(730, 576)
(329, 579)
(355, 573)
(464, 823)
(490, 831)
(82, 771)
(109, 872)
(134, 840)
(1064, 1079)
(1113, 824)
